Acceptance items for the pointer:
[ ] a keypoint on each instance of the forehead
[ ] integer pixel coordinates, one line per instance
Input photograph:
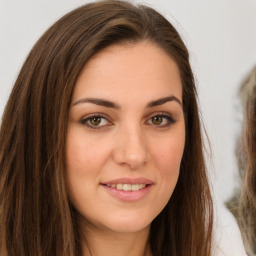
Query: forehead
(128, 70)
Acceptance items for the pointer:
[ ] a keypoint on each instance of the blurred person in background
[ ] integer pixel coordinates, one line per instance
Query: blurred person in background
(247, 164)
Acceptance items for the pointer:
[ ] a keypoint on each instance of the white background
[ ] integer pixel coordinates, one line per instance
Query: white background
(220, 35)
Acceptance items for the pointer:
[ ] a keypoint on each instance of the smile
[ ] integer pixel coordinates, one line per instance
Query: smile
(127, 187)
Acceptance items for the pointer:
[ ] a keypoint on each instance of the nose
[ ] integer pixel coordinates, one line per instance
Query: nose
(131, 148)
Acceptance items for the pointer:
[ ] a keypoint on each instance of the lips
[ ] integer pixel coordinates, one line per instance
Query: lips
(127, 189)
(129, 181)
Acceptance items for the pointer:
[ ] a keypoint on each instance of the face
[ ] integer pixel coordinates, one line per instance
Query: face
(126, 136)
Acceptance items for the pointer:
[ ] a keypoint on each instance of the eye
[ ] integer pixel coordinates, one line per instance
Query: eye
(157, 120)
(161, 120)
(95, 121)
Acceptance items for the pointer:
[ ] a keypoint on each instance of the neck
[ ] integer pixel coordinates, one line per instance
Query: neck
(105, 242)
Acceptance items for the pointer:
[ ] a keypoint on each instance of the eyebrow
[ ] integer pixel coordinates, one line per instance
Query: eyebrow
(100, 102)
(162, 101)
(110, 104)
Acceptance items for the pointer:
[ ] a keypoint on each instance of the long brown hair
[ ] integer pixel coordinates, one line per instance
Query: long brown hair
(247, 164)
(36, 217)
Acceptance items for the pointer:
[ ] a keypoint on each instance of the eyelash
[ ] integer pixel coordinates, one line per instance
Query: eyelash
(167, 117)
(85, 121)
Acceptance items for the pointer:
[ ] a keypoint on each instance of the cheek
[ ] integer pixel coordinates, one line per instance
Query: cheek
(167, 158)
(84, 161)
(83, 154)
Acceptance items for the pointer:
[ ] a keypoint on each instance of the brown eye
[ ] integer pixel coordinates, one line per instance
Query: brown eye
(95, 121)
(157, 120)
(161, 121)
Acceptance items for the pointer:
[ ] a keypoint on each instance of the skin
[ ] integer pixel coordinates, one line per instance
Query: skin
(137, 137)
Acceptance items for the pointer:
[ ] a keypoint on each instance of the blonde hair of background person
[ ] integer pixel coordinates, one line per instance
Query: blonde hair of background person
(247, 164)
(39, 214)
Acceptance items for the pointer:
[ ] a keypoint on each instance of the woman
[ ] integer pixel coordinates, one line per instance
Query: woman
(101, 144)
(247, 164)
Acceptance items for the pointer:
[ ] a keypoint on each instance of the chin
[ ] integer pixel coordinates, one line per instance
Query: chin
(124, 227)
(128, 223)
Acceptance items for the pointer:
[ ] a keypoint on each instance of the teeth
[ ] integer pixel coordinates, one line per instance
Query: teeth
(119, 186)
(127, 187)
